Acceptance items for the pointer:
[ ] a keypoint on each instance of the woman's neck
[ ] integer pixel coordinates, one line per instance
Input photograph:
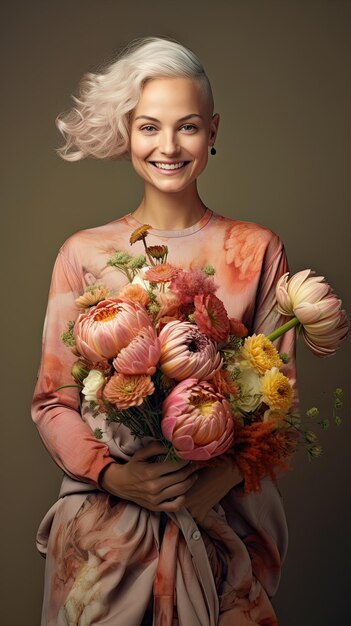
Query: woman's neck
(170, 211)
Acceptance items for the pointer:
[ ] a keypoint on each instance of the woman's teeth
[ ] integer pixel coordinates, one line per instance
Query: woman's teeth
(169, 166)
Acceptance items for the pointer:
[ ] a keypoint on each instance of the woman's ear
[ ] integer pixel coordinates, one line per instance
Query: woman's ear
(214, 128)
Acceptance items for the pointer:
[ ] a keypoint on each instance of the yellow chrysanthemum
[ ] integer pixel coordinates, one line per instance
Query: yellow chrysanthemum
(139, 233)
(276, 390)
(260, 353)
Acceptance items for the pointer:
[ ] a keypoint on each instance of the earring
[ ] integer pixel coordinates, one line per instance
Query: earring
(213, 150)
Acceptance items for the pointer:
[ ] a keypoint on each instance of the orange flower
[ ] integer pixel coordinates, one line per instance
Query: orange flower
(158, 252)
(224, 384)
(139, 233)
(162, 273)
(136, 293)
(237, 328)
(125, 391)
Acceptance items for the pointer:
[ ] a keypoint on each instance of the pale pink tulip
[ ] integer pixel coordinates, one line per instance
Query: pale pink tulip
(197, 421)
(108, 327)
(312, 301)
(187, 353)
(141, 355)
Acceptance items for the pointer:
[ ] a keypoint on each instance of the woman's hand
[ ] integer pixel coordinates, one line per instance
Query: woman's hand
(213, 484)
(155, 486)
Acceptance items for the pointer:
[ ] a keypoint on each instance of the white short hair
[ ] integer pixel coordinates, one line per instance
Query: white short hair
(98, 125)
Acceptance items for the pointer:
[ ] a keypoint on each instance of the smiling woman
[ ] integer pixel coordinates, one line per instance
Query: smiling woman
(130, 541)
(172, 152)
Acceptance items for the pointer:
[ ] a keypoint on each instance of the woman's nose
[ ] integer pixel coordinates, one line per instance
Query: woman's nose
(168, 143)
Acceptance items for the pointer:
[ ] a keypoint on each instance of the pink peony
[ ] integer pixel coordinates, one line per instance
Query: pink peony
(187, 284)
(125, 391)
(108, 327)
(186, 352)
(141, 355)
(312, 301)
(211, 317)
(197, 421)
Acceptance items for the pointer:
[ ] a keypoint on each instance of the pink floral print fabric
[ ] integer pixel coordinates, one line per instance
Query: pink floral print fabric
(109, 561)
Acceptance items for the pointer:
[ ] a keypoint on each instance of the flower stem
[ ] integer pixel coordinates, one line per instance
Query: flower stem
(283, 329)
(66, 387)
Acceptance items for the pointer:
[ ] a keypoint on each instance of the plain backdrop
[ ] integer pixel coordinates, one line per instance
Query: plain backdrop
(280, 72)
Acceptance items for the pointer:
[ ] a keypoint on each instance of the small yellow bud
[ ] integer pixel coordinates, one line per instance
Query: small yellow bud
(310, 436)
(315, 451)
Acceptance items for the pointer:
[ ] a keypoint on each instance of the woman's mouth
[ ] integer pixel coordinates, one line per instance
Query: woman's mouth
(168, 168)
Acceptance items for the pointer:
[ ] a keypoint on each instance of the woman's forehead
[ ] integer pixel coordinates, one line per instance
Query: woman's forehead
(178, 96)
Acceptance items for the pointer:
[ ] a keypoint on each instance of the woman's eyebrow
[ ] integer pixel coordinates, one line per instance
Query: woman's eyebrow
(181, 119)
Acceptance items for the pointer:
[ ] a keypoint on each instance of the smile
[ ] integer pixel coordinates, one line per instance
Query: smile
(169, 166)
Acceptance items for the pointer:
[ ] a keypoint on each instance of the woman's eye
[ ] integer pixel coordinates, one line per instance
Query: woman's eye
(188, 127)
(149, 128)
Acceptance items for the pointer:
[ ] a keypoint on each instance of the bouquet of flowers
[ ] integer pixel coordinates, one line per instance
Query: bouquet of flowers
(164, 359)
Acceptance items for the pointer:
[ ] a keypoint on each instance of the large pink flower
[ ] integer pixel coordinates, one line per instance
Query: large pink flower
(313, 302)
(187, 353)
(197, 421)
(108, 327)
(141, 355)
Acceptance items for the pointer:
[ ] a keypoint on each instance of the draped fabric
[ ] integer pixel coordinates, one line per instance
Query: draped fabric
(109, 561)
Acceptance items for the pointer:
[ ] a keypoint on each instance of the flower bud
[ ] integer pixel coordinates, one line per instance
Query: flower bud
(313, 412)
(315, 451)
(79, 371)
(310, 436)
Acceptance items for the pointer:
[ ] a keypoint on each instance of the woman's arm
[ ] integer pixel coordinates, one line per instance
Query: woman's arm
(68, 439)
(158, 486)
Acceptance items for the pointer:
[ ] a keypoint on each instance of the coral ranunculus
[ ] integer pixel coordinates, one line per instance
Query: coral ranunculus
(197, 421)
(108, 327)
(162, 273)
(312, 301)
(141, 355)
(187, 353)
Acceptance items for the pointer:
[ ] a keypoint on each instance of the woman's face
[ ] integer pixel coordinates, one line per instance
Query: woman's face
(172, 128)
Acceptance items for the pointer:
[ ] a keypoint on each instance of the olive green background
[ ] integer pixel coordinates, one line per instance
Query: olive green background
(281, 78)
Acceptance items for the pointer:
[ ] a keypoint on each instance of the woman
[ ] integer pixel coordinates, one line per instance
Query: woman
(132, 542)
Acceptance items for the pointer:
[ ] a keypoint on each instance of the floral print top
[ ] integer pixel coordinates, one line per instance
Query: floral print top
(248, 259)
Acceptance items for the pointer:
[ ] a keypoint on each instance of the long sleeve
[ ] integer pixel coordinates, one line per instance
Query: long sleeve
(259, 518)
(267, 318)
(68, 439)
